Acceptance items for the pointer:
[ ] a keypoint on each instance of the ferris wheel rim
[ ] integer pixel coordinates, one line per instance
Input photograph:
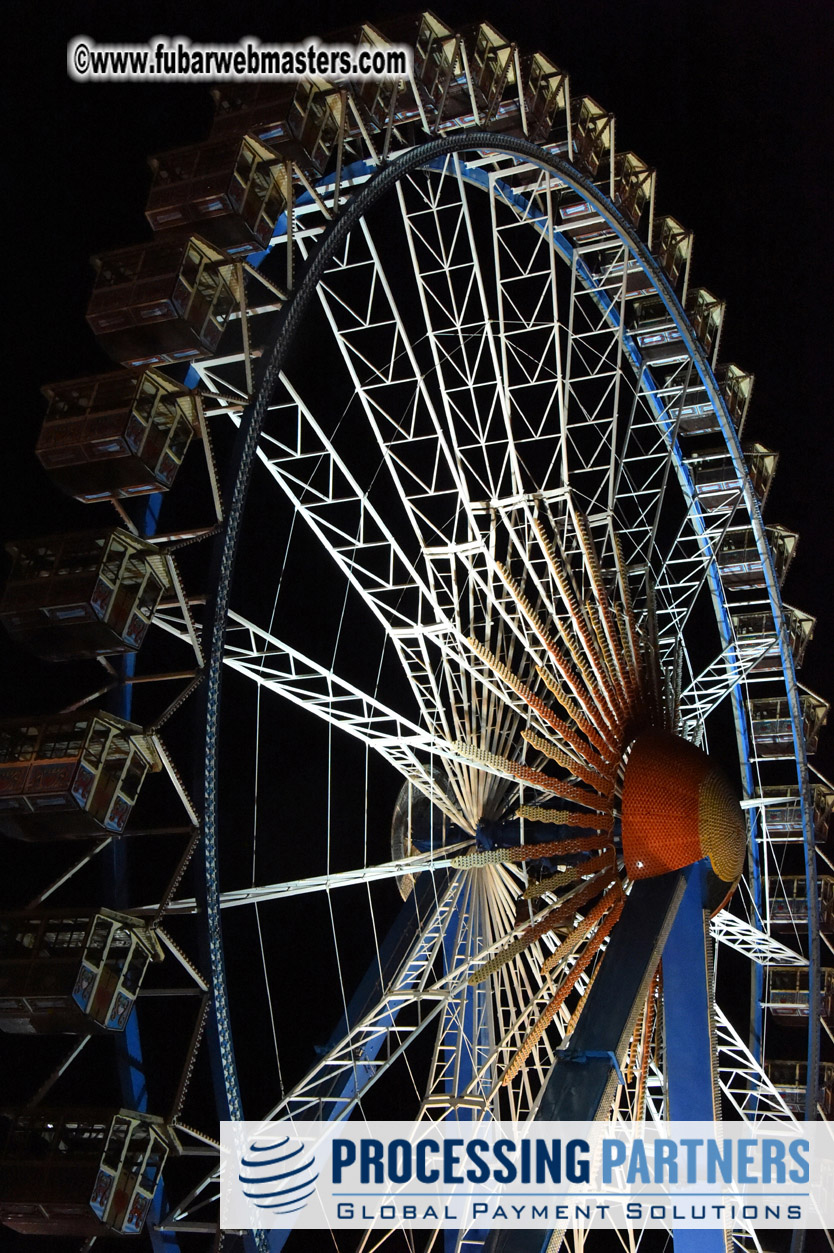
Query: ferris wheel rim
(356, 209)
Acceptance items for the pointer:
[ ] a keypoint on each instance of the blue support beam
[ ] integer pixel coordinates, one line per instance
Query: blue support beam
(407, 927)
(584, 1075)
(475, 1046)
(687, 1000)
(661, 915)
(130, 1061)
(691, 1079)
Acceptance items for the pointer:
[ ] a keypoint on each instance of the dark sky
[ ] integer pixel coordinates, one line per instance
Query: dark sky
(729, 99)
(726, 99)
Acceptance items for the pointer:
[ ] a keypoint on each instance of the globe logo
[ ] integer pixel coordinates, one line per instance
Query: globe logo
(278, 1176)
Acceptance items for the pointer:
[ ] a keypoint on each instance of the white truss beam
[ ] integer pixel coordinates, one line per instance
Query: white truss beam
(756, 945)
(743, 1081)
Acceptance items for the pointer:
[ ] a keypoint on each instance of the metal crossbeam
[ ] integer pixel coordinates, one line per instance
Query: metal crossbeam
(756, 945)
(743, 1081)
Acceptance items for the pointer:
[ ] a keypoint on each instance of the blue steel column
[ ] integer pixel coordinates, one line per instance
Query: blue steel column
(687, 1031)
(661, 914)
(407, 926)
(583, 1078)
(128, 1043)
(475, 1030)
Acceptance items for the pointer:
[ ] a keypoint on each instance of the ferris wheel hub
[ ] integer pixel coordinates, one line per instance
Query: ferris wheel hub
(678, 808)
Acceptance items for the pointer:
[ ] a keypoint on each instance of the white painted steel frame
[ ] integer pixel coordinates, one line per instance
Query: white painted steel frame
(489, 494)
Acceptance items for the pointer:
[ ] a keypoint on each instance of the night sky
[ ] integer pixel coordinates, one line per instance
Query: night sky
(726, 100)
(730, 101)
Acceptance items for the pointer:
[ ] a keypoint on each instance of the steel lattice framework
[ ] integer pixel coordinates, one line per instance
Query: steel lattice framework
(586, 411)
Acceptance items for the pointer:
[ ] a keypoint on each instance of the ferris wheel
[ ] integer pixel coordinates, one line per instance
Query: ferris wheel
(492, 596)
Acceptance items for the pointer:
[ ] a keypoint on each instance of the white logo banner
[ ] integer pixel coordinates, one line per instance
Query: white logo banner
(489, 1175)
